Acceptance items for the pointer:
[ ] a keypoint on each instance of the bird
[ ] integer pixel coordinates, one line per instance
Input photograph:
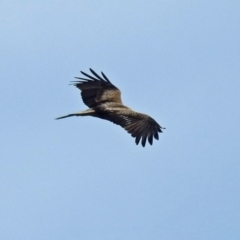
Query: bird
(104, 101)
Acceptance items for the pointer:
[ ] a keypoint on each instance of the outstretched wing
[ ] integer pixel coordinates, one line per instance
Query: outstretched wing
(97, 89)
(139, 125)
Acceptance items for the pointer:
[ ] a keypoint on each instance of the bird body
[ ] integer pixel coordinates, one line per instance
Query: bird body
(104, 101)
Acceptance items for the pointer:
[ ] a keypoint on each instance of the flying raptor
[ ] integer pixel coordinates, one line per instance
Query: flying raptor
(104, 101)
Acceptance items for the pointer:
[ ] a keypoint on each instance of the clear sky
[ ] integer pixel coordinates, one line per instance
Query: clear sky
(84, 178)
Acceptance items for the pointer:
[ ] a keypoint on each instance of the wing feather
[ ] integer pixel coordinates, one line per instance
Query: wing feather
(96, 75)
(141, 126)
(96, 89)
(105, 77)
(150, 139)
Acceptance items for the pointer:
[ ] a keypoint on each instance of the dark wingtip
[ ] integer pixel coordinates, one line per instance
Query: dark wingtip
(156, 135)
(150, 139)
(89, 76)
(144, 139)
(105, 77)
(137, 140)
(96, 75)
(92, 71)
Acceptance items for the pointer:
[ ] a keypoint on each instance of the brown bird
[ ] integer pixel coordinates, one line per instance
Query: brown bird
(104, 101)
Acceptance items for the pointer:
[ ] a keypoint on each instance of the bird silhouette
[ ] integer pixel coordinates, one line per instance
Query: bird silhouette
(104, 101)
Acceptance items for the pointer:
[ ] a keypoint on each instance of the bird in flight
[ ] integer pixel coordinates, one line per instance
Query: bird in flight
(104, 101)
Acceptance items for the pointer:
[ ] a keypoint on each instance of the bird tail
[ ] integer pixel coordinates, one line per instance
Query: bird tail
(88, 112)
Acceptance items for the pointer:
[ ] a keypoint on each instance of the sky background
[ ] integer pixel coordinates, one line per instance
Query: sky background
(84, 178)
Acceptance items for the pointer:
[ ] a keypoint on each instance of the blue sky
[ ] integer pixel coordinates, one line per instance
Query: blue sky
(84, 178)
